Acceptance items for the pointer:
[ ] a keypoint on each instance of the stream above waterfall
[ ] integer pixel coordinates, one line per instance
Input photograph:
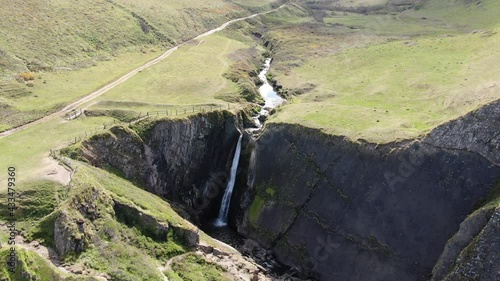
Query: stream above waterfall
(266, 90)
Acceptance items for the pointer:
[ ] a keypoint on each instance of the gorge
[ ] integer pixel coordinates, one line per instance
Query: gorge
(317, 200)
(238, 140)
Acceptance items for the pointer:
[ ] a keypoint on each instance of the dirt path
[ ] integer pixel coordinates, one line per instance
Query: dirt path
(34, 246)
(125, 77)
(54, 171)
(49, 254)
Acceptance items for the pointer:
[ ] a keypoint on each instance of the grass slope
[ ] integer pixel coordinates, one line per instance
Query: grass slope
(192, 75)
(53, 90)
(193, 267)
(387, 77)
(32, 266)
(54, 51)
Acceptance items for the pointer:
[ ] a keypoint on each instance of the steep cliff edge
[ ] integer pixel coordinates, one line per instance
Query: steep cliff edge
(474, 251)
(357, 211)
(335, 209)
(184, 160)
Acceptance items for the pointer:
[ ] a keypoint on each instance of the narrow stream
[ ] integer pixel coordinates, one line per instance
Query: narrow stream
(267, 92)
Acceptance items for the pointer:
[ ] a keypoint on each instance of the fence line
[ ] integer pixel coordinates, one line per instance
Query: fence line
(181, 110)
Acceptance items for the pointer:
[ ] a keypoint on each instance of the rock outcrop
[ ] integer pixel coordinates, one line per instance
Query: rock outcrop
(474, 251)
(184, 160)
(68, 236)
(342, 210)
(333, 208)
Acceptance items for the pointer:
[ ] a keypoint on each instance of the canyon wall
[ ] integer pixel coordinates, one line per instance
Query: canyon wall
(343, 210)
(184, 160)
(332, 208)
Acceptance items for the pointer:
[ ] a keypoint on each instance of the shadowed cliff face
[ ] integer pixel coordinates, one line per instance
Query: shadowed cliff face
(336, 209)
(474, 251)
(186, 161)
(355, 211)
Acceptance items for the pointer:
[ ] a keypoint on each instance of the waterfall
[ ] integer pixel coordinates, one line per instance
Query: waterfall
(226, 200)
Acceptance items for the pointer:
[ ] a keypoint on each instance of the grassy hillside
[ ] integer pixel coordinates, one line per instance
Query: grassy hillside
(111, 247)
(55, 51)
(194, 75)
(34, 267)
(191, 76)
(383, 77)
(50, 35)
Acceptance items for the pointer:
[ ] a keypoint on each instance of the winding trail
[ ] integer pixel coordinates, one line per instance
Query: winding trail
(127, 76)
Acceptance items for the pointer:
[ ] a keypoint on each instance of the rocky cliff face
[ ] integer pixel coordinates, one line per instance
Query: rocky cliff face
(474, 251)
(335, 209)
(356, 211)
(185, 160)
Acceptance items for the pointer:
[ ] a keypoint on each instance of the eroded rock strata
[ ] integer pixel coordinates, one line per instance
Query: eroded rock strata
(333, 208)
(343, 210)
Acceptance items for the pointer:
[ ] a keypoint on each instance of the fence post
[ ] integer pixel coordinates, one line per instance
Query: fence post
(147, 113)
(176, 112)
(193, 109)
(184, 111)
(139, 115)
(157, 113)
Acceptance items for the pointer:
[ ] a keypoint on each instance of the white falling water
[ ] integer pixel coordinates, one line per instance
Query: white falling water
(226, 200)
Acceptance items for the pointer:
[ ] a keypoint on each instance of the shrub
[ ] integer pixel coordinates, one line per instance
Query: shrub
(27, 76)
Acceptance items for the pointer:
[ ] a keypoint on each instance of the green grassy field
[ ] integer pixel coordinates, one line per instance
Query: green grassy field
(28, 149)
(52, 91)
(386, 77)
(190, 76)
(461, 14)
(183, 20)
(193, 267)
(32, 265)
(51, 34)
(69, 50)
